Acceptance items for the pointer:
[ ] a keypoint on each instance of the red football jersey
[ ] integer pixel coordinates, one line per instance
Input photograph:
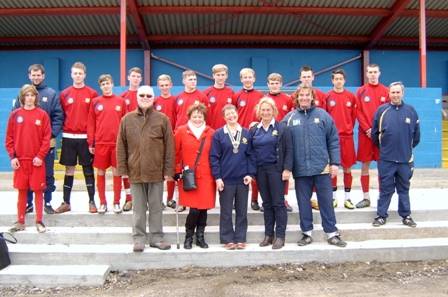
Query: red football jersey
(319, 99)
(283, 102)
(75, 103)
(130, 98)
(168, 107)
(342, 108)
(217, 99)
(28, 134)
(369, 98)
(183, 101)
(246, 101)
(104, 120)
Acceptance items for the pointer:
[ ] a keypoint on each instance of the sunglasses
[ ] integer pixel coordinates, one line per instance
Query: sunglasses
(145, 95)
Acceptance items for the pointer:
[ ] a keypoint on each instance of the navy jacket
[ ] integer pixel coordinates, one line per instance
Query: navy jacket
(315, 141)
(396, 130)
(284, 153)
(49, 102)
(228, 166)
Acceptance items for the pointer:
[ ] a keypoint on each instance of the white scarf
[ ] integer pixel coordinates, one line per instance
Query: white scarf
(197, 131)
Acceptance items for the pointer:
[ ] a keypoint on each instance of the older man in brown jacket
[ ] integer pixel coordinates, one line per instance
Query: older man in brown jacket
(145, 153)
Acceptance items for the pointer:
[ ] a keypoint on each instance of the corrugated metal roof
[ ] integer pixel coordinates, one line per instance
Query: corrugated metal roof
(409, 27)
(57, 3)
(430, 4)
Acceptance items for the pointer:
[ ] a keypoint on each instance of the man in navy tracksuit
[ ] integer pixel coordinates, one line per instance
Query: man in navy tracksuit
(49, 102)
(396, 131)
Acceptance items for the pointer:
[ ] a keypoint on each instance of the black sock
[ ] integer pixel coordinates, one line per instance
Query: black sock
(90, 184)
(68, 184)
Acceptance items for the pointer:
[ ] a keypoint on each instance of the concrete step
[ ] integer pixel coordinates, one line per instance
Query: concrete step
(343, 216)
(255, 233)
(121, 257)
(54, 275)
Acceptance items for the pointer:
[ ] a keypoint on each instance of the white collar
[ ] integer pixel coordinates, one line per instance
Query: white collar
(272, 123)
(238, 128)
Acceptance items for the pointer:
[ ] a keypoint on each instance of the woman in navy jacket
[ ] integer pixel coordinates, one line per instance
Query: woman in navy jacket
(272, 147)
(233, 170)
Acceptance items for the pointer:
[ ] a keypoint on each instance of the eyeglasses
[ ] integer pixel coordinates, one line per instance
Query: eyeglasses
(145, 95)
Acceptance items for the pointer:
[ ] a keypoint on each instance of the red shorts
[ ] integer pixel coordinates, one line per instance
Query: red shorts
(348, 156)
(29, 177)
(367, 151)
(105, 156)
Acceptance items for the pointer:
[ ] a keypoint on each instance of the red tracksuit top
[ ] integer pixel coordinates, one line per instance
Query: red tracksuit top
(369, 98)
(320, 97)
(183, 101)
(130, 98)
(28, 134)
(168, 107)
(342, 108)
(104, 120)
(217, 99)
(283, 102)
(75, 103)
(245, 102)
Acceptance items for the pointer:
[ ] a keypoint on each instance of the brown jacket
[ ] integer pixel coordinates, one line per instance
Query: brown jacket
(145, 146)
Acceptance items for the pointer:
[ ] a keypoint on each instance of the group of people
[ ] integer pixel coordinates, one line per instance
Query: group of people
(229, 140)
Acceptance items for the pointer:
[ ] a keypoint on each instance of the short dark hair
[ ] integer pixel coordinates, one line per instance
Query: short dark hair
(337, 71)
(135, 69)
(306, 68)
(36, 67)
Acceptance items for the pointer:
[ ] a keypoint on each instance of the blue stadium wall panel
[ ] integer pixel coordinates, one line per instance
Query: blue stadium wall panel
(426, 101)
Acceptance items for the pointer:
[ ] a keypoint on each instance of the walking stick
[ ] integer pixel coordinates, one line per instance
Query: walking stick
(177, 218)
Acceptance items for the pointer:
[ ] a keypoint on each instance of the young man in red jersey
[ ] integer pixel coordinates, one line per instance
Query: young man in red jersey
(27, 142)
(166, 103)
(130, 97)
(75, 102)
(341, 105)
(369, 97)
(218, 96)
(190, 95)
(284, 105)
(246, 100)
(307, 78)
(104, 119)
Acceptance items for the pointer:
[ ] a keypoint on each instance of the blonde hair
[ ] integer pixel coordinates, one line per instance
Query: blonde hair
(188, 73)
(295, 95)
(27, 88)
(164, 77)
(219, 68)
(80, 65)
(247, 70)
(269, 101)
(275, 77)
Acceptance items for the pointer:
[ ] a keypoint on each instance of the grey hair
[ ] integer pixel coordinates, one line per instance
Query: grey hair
(397, 83)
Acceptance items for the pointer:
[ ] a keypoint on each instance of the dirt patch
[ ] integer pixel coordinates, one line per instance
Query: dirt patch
(314, 279)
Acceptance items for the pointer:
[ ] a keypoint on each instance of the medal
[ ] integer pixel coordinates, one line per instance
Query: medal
(235, 142)
(235, 150)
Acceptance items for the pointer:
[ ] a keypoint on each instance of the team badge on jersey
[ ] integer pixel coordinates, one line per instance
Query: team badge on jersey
(87, 100)
(408, 120)
(180, 102)
(285, 108)
(332, 103)
(349, 104)
(118, 108)
(158, 107)
(212, 99)
(196, 102)
(316, 120)
(229, 100)
(19, 119)
(366, 99)
(70, 100)
(38, 123)
(242, 103)
(128, 101)
(44, 99)
(275, 133)
(383, 99)
(99, 107)
(244, 140)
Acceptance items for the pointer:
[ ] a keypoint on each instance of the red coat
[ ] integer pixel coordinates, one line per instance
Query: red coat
(187, 146)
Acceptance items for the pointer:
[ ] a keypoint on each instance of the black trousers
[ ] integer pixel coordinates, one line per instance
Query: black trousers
(196, 218)
(233, 195)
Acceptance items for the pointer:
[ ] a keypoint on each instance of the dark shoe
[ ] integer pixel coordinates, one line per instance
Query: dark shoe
(48, 209)
(278, 244)
(162, 245)
(200, 238)
(29, 208)
(171, 203)
(254, 205)
(305, 240)
(288, 207)
(408, 221)
(266, 241)
(92, 207)
(363, 203)
(337, 241)
(64, 207)
(139, 247)
(188, 243)
(378, 221)
(127, 206)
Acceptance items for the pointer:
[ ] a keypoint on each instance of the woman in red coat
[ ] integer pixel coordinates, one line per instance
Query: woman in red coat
(188, 140)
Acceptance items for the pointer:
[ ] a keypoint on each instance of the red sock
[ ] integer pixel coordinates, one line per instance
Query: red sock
(39, 203)
(170, 189)
(101, 186)
(348, 179)
(127, 188)
(286, 188)
(254, 191)
(117, 189)
(379, 184)
(21, 206)
(334, 182)
(365, 183)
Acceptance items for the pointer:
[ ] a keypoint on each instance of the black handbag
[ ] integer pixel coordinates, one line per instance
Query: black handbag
(189, 175)
(5, 261)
